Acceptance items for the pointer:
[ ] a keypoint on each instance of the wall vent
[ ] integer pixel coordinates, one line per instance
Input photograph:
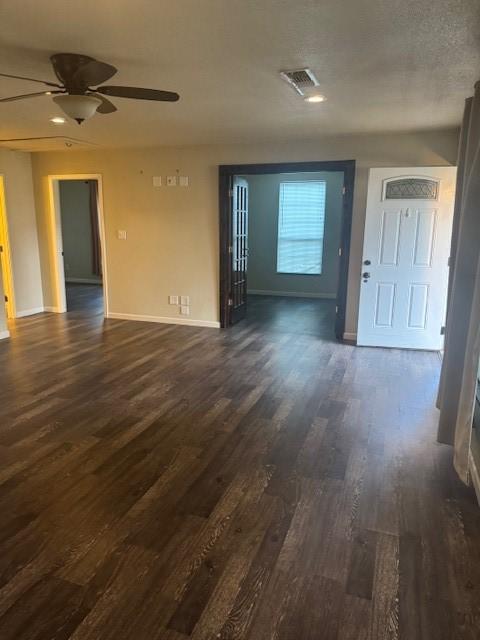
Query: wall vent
(300, 79)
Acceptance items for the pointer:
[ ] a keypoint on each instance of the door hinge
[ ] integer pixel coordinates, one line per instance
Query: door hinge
(230, 249)
(230, 193)
(344, 190)
(336, 309)
(340, 252)
(6, 298)
(1, 248)
(442, 330)
(449, 261)
(230, 302)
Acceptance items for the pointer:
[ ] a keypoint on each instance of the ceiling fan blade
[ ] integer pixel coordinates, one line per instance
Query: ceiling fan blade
(49, 84)
(79, 72)
(29, 95)
(106, 106)
(138, 93)
(93, 73)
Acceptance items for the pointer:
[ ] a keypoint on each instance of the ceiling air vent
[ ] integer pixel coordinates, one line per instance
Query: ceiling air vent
(301, 80)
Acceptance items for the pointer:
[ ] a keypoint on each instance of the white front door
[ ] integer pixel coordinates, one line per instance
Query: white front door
(406, 246)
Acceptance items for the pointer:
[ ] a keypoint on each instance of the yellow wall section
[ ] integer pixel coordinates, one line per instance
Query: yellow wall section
(16, 168)
(3, 315)
(172, 242)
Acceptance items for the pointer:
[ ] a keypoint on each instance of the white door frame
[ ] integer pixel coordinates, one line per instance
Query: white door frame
(56, 238)
(7, 255)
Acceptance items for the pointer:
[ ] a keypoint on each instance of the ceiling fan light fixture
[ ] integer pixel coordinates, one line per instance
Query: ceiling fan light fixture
(78, 107)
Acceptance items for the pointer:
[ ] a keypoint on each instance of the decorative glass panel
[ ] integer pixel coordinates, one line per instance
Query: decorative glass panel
(411, 188)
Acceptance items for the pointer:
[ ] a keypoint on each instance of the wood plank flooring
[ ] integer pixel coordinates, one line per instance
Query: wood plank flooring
(260, 483)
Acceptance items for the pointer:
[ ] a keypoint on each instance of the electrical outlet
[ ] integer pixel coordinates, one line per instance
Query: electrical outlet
(185, 310)
(171, 181)
(172, 299)
(157, 181)
(122, 234)
(183, 181)
(185, 300)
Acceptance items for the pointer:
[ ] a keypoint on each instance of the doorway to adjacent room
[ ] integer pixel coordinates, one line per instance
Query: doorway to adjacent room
(285, 240)
(79, 243)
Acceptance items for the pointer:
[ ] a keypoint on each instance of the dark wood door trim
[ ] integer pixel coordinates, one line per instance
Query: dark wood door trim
(226, 174)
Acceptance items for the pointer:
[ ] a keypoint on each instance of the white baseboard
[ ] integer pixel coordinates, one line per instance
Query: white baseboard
(54, 310)
(350, 336)
(164, 320)
(292, 294)
(29, 312)
(4, 334)
(83, 281)
(475, 475)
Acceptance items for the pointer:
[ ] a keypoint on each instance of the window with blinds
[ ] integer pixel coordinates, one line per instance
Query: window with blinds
(301, 223)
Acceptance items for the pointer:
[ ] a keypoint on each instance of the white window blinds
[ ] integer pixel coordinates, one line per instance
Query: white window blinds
(301, 223)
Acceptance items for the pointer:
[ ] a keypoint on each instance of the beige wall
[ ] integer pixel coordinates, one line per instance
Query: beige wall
(16, 168)
(263, 194)
(172, 232)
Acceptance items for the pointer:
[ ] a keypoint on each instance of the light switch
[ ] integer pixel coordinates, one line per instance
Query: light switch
(172, 299)
(185, 300)
(122, 234)
(157, 181)
(184, 310)
(183, 181)
(171, 181)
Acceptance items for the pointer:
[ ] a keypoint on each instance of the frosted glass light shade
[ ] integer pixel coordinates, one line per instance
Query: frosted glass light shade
(79, 108)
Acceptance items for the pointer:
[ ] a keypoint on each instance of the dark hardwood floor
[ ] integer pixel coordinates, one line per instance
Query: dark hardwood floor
(84, 297)
(264, 482)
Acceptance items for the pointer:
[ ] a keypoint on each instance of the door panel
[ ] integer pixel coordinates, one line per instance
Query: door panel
(384, 304)
(238, 295)
(405, 257)
(417, 306)
(424, 236)
(390, 237)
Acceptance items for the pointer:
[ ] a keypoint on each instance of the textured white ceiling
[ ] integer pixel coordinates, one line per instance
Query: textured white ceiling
(384, 65)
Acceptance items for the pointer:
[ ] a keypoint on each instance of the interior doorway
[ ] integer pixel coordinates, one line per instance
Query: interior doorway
(284, 243)
(78, 240)
(5, 256)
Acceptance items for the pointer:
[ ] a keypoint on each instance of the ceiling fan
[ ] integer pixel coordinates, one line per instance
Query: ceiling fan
(76, 97)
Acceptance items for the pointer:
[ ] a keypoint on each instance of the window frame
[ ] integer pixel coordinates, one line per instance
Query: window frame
(322, 241)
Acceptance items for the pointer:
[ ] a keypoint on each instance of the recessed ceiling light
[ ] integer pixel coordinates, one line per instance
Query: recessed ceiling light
(316, 98)
(57, 120)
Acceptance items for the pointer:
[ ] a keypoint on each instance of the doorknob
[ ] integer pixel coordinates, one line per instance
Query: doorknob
(366, 262)
(365, 276)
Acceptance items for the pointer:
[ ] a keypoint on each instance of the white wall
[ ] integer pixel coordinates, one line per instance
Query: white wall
(77, 231)
(263, 194)
(16, 168)
(172, 244)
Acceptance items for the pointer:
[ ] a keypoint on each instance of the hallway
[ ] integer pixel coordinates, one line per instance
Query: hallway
(84, 297)
(165, 482)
